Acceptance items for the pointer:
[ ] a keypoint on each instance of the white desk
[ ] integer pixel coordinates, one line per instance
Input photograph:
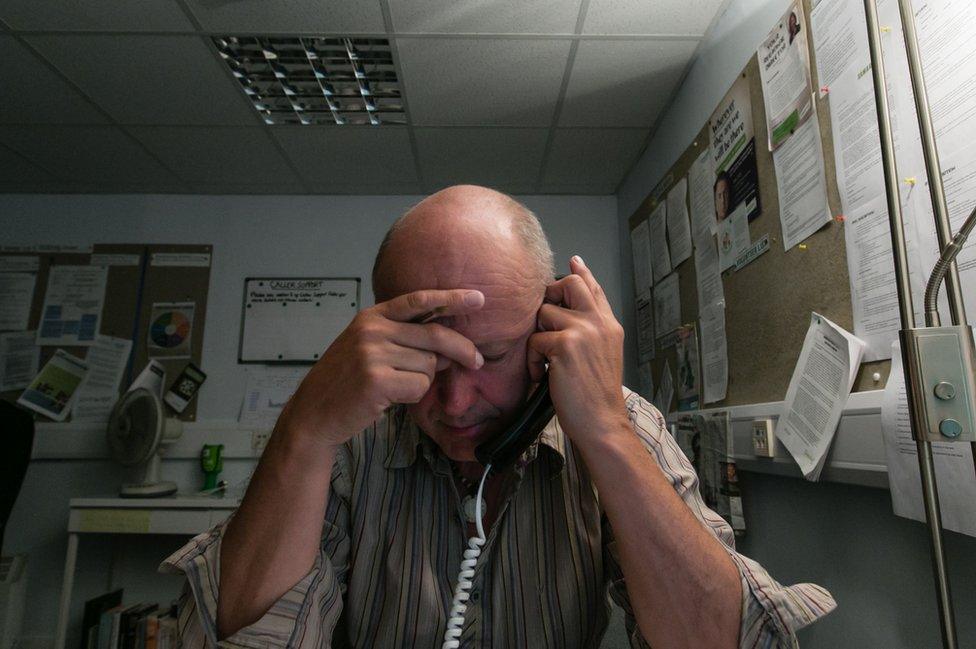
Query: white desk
(186, 515)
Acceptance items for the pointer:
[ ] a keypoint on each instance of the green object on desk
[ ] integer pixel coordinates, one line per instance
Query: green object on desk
(212, 464)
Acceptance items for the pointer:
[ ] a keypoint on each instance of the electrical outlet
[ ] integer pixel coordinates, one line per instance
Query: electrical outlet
(259, 439)
(763, 438)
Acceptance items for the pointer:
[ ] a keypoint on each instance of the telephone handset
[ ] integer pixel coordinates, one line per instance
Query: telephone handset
(508, 446)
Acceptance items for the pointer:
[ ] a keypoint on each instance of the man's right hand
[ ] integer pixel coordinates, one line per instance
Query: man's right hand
(382, 358)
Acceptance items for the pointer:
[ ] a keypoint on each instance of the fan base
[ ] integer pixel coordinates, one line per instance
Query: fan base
(149, 490)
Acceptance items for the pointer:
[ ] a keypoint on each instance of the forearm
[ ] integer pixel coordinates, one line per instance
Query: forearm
(273, 539)
(682, 584)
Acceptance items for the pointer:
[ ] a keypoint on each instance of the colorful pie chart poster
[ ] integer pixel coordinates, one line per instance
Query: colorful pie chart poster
(170, 329)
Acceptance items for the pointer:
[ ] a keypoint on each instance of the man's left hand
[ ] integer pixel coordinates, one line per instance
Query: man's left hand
(583, 343)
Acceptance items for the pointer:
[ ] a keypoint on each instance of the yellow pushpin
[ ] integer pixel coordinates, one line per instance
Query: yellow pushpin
(910, 180)
(886, 30)
(802, 246)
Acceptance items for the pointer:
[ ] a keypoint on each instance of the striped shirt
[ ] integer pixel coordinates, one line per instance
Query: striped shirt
(394, 535)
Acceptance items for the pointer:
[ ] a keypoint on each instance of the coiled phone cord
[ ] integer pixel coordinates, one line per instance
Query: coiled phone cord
(462, 591)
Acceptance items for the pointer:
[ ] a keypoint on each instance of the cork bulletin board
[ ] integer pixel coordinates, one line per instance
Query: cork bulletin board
(768, 302)
(134, 284)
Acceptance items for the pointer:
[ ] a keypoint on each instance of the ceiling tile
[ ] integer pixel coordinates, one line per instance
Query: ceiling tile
(95, 15)
(623, 83)
(470, 82)
(479, 17)
(643, 17)
(15, 170)
(35, 94)
(336, 155)
(149, 79)
(86, 154)
(384, 189)
(291, 16)
(593, 156)
(234, 155)
(605, 189)
(486, 156)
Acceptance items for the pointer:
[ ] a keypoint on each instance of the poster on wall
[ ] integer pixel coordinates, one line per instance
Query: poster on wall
(170, 329)
(733, 145)
(689, 378)
(784, 68)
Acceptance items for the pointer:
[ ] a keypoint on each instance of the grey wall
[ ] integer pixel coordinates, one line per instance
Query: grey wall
(287, 235)
(842, 537)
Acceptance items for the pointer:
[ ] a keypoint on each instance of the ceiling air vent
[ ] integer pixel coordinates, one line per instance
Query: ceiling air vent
(292, 80)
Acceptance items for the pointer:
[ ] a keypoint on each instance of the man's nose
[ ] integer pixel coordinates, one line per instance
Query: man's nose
(456, 390)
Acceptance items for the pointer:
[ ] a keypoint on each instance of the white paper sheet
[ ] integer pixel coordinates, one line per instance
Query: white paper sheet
(701, 199)
(817, 394)
(645, 328)
(679, 230)
(801, 184)
(19, 356)
(784, 70)
(874, 293)
(53, 391)
(667, 305)
(660, 259)
(73, 302)
(640, 249)
(266, 394)
(715, 357)
(106, 360)
(665, 391)
(688, 367)
(733, 237)
(16, 294)
(954, 471)
(707, 276)
(948, 52)
(152, 378)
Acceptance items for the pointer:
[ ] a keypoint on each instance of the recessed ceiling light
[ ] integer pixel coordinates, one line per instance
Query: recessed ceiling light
(301, 80)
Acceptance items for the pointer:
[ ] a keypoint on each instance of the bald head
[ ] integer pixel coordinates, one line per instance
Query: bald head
(459, 232)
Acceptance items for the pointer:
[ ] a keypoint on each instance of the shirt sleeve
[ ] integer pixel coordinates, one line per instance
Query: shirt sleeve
(305, 616)
(771, 612)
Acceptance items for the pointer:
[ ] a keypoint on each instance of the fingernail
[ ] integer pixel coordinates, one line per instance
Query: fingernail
(474, 298)
(578, 260)
(479, 360)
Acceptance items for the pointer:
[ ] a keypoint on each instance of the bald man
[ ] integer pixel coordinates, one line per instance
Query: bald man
(352, 530)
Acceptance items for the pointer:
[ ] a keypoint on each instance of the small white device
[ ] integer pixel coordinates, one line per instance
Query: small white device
(137, 431)
(763, 437)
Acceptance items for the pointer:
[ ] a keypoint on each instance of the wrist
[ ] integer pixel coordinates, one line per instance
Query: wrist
(302, 445)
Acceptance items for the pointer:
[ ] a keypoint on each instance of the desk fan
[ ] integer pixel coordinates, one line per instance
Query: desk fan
(137, 430)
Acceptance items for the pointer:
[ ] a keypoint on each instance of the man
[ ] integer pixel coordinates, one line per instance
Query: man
(378, 441)
(723, 195)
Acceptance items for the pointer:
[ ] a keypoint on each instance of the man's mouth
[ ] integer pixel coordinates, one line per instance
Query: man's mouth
(464, 431)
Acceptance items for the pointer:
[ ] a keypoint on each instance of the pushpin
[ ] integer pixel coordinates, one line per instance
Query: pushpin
(886, 30)
(910, 180)
(840, 218)
(876, 377)
(824, 90)
(802, 246)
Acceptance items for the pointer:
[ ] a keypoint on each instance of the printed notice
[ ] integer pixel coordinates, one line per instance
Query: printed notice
(660, 259)
(801, 184)
(679, 230)
(16, 295)
(73, 302)
(784, 68)
(640, 248)
(818, 392)
(18, 359)
(667, 305)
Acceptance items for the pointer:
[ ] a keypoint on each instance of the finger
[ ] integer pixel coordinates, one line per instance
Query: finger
(571, 292)
(439, 339)
(536, 361)
(579, 267)
(407, 387)
(408, 359)
(543, 344)
(552, 317)
(431, 302)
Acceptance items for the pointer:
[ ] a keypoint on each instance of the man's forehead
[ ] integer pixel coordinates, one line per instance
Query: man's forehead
(489, 334)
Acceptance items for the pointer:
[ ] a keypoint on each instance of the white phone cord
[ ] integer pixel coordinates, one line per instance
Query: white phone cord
(455, 622)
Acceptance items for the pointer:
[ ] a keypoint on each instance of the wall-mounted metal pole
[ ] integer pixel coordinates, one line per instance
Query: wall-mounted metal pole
(930, 494)
(933, 170)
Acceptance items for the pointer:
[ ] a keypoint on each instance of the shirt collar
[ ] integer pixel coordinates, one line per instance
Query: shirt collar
(408, 437)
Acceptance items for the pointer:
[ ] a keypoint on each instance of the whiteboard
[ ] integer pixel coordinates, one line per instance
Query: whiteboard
(294, 318)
